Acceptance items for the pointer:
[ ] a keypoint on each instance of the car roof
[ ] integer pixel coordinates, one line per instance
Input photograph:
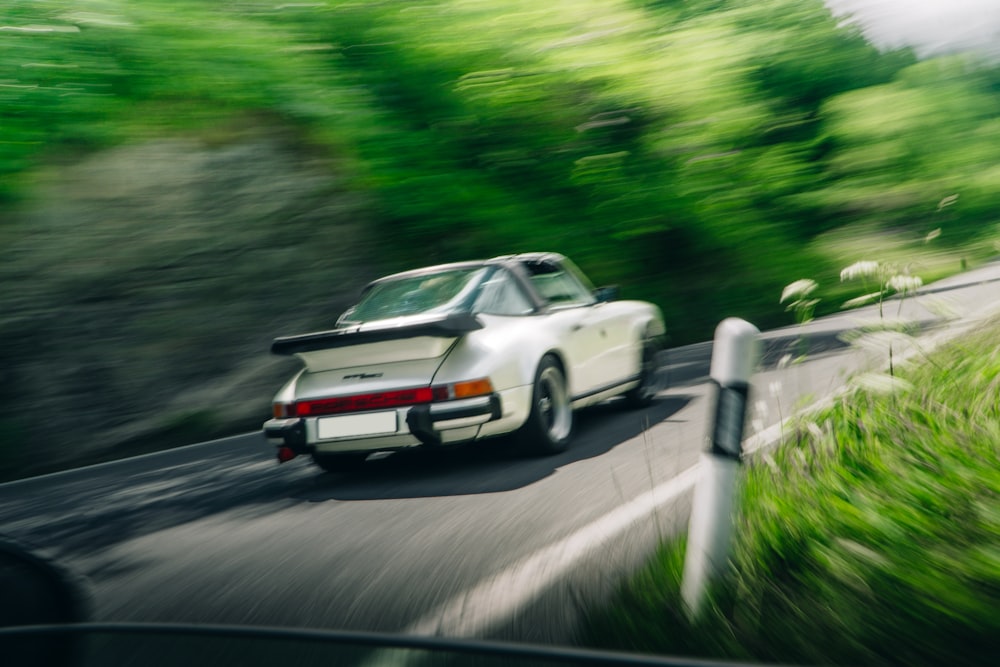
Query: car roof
(526, 257)
(531, 257)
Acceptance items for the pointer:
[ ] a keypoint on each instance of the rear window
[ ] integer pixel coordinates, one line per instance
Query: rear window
(439, 292)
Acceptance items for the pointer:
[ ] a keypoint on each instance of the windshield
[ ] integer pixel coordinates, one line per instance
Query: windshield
(439, 292)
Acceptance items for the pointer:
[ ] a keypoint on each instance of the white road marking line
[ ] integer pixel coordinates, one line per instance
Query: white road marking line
(497, 598)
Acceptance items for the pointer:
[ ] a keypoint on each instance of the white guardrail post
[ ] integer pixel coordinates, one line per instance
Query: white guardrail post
(734, 355)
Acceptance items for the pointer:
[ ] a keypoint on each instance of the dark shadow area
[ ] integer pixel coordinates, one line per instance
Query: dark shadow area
(490, 466)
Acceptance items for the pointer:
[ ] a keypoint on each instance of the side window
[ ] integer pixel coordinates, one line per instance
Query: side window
(500, 295)
(558, 285)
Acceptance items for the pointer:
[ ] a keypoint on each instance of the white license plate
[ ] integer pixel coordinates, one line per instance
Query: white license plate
(350, 426)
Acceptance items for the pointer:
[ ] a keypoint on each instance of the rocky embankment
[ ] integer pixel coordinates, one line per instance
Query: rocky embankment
(142, 287)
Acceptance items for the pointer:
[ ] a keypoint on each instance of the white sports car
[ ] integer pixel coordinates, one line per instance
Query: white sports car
(460, 352)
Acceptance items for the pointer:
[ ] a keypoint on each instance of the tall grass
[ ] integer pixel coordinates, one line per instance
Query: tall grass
(871, 537)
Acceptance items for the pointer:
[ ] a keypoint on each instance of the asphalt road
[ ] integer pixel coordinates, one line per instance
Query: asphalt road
(465, 542)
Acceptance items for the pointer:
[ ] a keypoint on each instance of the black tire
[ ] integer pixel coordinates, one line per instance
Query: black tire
(339, 462)
(649, 377)
(550, 422)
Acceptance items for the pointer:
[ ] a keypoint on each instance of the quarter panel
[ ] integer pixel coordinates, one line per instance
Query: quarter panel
(506, 350)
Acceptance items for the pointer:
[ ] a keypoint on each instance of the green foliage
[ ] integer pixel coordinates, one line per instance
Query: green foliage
(905, 147)
(697, 154)
(870, 537)
(676, 139)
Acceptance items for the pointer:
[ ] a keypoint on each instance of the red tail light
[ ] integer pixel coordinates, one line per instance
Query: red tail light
(361, 402)
(384, 399)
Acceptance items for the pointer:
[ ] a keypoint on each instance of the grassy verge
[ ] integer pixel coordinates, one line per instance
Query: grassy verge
(873, 537)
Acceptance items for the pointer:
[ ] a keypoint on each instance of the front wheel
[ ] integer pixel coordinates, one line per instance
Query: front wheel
(339, 462)
(649, 377)
(550, 422)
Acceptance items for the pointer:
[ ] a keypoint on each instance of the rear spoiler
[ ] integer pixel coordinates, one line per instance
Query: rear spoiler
(442, 326)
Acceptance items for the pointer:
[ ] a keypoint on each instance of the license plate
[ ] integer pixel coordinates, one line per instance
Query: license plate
(350, 426)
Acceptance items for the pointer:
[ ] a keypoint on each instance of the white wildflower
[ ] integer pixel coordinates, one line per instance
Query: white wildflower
(861, 300)
(904, 284)
(798, 289)
(757, 425)
(785, 361)
(814, 430)
(859, 270)
(760, 409)
(947, 201)
(774, 389)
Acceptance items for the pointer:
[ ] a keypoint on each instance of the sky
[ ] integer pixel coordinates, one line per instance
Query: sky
(930, 26)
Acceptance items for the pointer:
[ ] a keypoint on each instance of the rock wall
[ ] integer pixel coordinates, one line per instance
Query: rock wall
(142, 287)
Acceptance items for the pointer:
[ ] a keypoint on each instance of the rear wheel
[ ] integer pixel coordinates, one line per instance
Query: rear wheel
(550, 422)
(649, 376)
(339, 462)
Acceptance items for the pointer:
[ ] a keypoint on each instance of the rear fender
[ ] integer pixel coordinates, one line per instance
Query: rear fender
(509, 356)
(649, 326)
(287, 392)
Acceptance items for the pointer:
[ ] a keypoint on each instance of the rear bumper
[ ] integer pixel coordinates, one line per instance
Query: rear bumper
(427, 423)
(290, 432)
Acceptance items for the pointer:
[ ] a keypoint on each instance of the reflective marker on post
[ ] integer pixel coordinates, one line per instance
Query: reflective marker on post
(730, 413)
(734, 355)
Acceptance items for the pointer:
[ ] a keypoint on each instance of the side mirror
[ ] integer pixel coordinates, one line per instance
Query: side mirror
(607, 293)
(36, 591)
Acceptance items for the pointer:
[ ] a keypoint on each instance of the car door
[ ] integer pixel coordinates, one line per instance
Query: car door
(611, 360)
(616, 354)
(578, 319)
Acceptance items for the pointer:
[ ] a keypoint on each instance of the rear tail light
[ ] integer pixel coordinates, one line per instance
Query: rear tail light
(384, 399)
(480, 387)
(362, 402)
